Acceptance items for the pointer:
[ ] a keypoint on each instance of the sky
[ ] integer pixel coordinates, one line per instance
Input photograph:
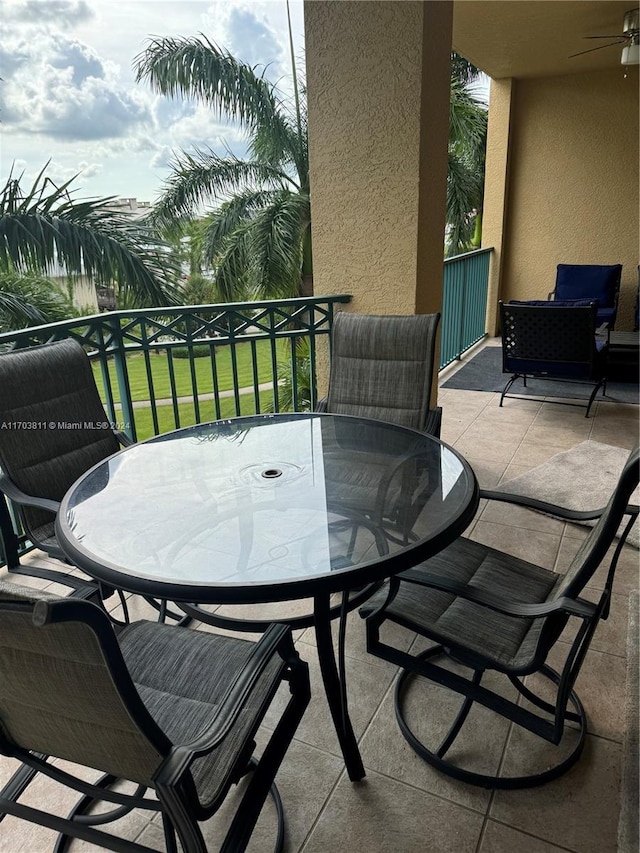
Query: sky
(68, 92)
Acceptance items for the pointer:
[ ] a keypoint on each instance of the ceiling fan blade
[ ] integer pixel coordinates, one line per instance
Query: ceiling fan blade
(616, 36)
(601, 47)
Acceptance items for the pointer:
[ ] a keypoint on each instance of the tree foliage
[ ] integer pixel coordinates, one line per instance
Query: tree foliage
(30, 300)
(45, 229)
(467, 144)
(256, 233)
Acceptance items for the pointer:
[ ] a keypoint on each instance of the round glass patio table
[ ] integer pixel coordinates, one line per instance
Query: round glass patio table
(270, 508)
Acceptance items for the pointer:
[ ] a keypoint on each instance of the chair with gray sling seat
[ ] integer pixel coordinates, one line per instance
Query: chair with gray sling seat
(382, 368)
(496, 614)
(54, 428)
(170, 709)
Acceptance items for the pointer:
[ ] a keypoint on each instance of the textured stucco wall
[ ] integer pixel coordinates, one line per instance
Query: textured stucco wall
(496, 189)
(370, 161)
(573, 182)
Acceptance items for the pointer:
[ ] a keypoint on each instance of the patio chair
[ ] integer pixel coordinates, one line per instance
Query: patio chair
(382, 368)
(590, 281)
(54, 428)
(494, 614)
(170, 709)
(546, 340)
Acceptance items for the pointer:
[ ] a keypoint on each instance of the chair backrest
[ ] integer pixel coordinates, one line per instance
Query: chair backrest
(49, 395)
(589, 281)
(547, 338)
(382, 367)
(65, 690)
(594, 548)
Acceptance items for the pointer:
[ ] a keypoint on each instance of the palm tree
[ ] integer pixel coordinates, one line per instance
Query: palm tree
(30, 300)
(257, 239)
(467, 144)
(45, 227)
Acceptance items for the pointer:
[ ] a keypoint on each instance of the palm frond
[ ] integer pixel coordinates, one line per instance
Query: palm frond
(464, 197)
(45, 228)
(207, 177)
(221, 223)
(30, 300)
(277, 234)
(283, 144)
(467, 117)
(200, 69)
(462, 69)
(232, 277)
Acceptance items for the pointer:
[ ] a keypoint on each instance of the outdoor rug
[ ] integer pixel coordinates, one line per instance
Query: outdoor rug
(484, 373)
(582, 478)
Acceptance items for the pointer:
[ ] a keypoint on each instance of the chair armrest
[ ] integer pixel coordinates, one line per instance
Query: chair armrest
(276, 640)
(321, 405)
(576, 607)
(123, 438)
(542, 506)
(9, 488)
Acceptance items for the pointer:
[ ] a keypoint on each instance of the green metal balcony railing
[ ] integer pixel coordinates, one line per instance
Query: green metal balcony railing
(163, 368)
(464, 303)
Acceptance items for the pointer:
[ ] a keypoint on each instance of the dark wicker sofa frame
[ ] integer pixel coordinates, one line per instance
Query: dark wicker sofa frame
(545, 341)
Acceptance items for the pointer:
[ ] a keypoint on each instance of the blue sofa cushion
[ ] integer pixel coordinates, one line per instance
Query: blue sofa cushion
(588, 281)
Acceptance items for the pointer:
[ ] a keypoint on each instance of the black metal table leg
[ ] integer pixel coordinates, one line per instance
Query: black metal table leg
(334, 685)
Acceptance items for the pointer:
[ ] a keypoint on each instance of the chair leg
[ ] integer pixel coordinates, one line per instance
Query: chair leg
(261, 783)
(79, 812)
(182, 821)
(459, 721)
(593, 395)
(436, 759)
(508, 386)
(169, 835)
(9, 538)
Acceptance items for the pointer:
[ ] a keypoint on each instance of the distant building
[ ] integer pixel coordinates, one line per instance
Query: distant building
(138, 209)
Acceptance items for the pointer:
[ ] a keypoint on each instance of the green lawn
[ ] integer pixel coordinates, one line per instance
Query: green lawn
(166, 419)
(160, 371)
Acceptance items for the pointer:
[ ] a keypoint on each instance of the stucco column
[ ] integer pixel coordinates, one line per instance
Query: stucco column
(496, 188)
(378, 95)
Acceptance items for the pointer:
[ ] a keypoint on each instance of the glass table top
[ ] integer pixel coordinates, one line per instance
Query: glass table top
(256, 507)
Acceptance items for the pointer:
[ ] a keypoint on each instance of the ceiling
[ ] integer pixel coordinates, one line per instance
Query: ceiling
(507, 38)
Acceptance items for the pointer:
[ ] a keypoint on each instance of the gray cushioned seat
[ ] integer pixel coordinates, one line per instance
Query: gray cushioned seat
(509, 641)
(382, 368)
(162, 663)
(490, 612)
(169, 708)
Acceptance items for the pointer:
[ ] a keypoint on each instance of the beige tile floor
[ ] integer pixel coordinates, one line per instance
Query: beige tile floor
(403, 805)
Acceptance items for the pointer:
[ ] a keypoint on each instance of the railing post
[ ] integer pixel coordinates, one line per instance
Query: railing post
(463, 308)
(117, 349)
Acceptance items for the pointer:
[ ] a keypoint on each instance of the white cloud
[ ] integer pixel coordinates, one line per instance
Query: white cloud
(253, 41)
(90, 170)
(47, 11)
(62, 88)
(162, 158)
(70, 94)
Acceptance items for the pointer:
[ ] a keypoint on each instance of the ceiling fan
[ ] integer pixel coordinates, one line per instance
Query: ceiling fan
(629, 37)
